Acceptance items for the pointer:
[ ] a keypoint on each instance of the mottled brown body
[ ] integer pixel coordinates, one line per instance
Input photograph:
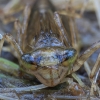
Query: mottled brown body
(46, 43)
(47, 46)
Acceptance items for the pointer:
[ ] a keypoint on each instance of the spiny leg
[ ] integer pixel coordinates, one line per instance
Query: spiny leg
(18, 28)
(21, 29)
(13, 42)
(17, 48)
(19, 51)
(27, 12)
(62, 29)
(80, 61)
(74, 34)
(15, 45)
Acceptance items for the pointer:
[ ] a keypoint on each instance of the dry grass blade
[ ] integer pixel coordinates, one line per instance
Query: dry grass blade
(3, 97)
(97, 10)
(87, 68)
(65, 97)
(23, 89)
(94, 86)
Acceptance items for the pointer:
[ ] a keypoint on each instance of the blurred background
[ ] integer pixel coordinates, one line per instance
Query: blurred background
(88, 25)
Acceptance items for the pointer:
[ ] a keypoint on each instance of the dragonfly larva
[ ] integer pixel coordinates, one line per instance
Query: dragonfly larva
(46, 43)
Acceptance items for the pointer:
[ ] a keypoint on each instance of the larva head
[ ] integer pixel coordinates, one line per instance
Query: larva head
(50, 65)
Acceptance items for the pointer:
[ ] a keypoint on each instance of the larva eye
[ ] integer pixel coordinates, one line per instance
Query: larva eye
(69, 56)
(28, 58)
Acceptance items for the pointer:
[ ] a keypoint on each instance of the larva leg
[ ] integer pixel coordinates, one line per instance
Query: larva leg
(83, 57)
(12, 41)
(64, 35)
